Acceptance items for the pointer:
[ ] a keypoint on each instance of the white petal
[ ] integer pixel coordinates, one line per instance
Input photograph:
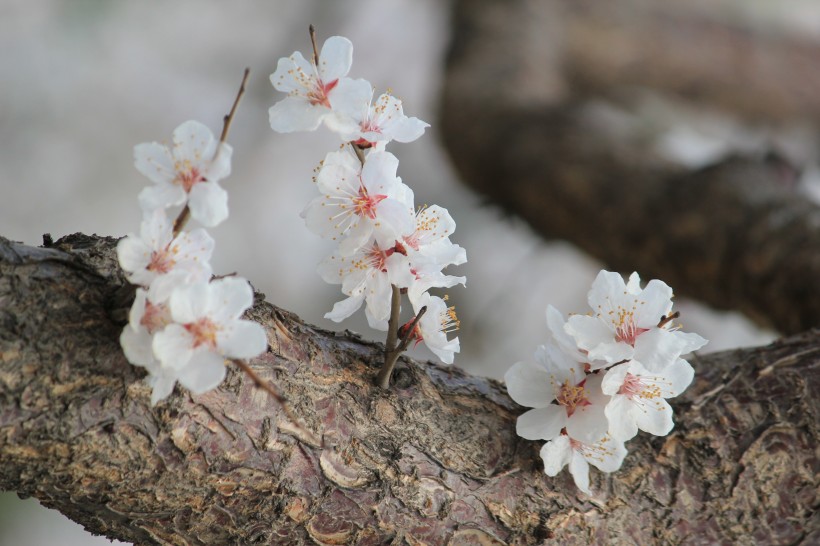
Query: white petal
(689, 341)
(606, 286)
(343, 100)
(243, 339)
(137, 309)
(136, 344)
(633, 285)
(134, 256)
(208, 202)
(556, 455)
(190, 303)
(356, 239)
(161, 196)
(678, 376)
(654, 418)
(407, 129)
(379, 172)
(378, 296)
(292, 74)
(335, 58)
(588, 424)
(155, 162)
(393, 221)
(193, 142)
(528, 384)
(579, 468)
(622, 426)
(445, 351)
(163, 385)
(656, 301)
(204, 371)
(559, 364)
(220, 164)
(614, 379)
(541, 423)
(607, 455)
(345, 308)
(229, 298)
(164, 285)
(173, 346)
(296, 114)
(588, 332)
(556, 326)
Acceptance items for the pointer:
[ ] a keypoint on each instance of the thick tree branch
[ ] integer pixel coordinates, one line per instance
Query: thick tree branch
(522, 120)
(434, 460)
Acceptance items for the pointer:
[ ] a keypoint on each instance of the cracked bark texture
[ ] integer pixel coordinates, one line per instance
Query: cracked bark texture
(550, 109)
(435, 460)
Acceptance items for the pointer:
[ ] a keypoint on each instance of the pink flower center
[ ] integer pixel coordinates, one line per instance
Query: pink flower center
(187, 179)
(155, 317)
(365, 205)
(162, 261)
(634, 385)
(626, 331)
(318, 95)
(377, 259)
(204, 331)
(572, 396)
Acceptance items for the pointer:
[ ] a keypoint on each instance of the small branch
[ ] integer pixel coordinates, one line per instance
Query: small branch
(359, 153)
(281, 400)
(312, 31)
(667, 319)
(393, 322)
(396, 347)
(408, 335)
(185, 213)
(228, 119)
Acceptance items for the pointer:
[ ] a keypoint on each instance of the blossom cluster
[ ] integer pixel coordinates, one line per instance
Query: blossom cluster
(603, 376)
(182, 324)
(383, 241)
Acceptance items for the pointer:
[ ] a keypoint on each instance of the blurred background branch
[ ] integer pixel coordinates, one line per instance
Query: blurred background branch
(583, 119)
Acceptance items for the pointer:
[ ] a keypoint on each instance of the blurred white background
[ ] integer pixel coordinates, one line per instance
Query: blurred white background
(86, 80)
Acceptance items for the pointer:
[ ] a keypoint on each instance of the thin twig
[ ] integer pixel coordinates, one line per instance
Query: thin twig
(408, 335)
(185, 213)
(281, 400)
(359, 153)
(312, 31)
(667, 319)
(395, 347)
(393, 322)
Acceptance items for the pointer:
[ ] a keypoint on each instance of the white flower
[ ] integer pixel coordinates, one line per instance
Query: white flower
(206, 330)
(564, 397)
(367, 276)
(638, 397)
(154, 258)
(358, 202)
(625, 323)
(607, 454)
(428, 250)
(190, 171)
(434, 325)
(313, 91)
(379, 123)
(149, 315)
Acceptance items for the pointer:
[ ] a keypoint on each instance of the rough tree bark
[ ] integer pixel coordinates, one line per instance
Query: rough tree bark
(527, 116)
(435, 460)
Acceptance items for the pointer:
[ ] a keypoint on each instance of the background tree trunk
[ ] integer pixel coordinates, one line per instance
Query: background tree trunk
(434, 460)
(555, 110)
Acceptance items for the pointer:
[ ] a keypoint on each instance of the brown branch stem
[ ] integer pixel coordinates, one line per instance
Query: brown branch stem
(276, 395)
(185, 213)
